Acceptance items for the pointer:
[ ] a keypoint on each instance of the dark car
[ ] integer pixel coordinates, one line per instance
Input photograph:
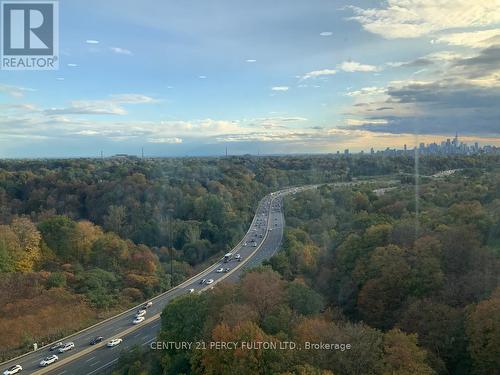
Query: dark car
(56, 346)
(96, 340)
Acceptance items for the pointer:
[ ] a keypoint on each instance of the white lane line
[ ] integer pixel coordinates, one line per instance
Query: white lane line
(90, 359)
(136, 335)
(103, 366)
(147, 342)
(93, 364)
(62, 372)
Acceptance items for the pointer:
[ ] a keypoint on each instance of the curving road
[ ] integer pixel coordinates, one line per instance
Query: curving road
(267, 232)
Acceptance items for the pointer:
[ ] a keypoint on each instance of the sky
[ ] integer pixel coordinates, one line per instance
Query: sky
(195, 77)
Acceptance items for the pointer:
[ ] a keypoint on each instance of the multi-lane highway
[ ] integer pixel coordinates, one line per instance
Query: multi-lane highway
(260, 242)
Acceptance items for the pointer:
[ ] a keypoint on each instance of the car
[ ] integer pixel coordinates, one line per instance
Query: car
(56, 346)
(138, 319)
(13, 370)
(237, 256)
(210, 281)
(203, 281)
(49, 360)
(191, 290)
(96, 340)
(141, 312)
(254, 244)
(114, 342)
(227, 270)
(220, 270)
(245, 244)
(66, 347)
(147, 304)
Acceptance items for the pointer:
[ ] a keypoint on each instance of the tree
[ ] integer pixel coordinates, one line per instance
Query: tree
(10, 249)
(57, 232)
(265, 290)
(440, 329)
(483, 329)
(402, 356)
(303, 299)
(115, 220)
(182, 320)
(29, 240)
(84, 235)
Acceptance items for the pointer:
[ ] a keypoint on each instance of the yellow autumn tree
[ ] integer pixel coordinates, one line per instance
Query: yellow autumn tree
(29, 241)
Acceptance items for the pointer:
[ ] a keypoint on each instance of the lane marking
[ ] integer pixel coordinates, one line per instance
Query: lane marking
(93, 364)
(103, 366)
(90, 359)
(147, 342)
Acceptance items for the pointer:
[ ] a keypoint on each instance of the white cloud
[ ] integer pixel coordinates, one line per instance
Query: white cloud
(71, 65)
(14, 91)
(372, 90)
(92, 41)
(415, 18)
(280, 88)
(359, 122)
(326, 33)
(111, 106)
(473, 39)
(319, 73)
(174, 140)
(251, 60)
(121, 51)
(353, 66)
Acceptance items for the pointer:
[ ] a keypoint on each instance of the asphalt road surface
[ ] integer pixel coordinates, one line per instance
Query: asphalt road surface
(261, 241)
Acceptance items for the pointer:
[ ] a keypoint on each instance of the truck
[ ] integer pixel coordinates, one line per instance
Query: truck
(228, 257)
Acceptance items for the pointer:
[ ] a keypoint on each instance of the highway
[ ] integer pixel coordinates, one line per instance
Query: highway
(261, 241)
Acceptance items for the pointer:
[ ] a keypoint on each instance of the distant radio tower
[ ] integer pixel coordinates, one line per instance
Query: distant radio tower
(142, 152)
(102, 155)
(226, 151)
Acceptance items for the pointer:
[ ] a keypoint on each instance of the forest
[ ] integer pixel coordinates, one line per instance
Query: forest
(410, 296)
(83, 239)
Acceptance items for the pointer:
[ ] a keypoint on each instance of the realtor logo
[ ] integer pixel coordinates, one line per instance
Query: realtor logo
(30, 35)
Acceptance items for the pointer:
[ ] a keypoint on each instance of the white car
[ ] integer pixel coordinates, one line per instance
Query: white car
(66, 347)
(237, 256)
(49, 360)
(191, 290)
(13, 370)
(147, 304)
(141, 312)
(220, 270)
(138, 320)
(210, 281)
(114, 342)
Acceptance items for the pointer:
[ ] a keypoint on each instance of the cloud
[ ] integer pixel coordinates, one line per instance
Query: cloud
(412, 19)
(111, 106)
(353, 66)
(251, 61)
(280, 88)
(121, 51)
(165, 140)
(365, 91)
(326, 33)
(202, 77)
(92, 41)
(72, 65)
(319, 73)
(14, 91)
(473, 39)
(432, 107)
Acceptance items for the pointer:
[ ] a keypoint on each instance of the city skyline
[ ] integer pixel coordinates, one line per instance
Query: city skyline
(193, 78)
